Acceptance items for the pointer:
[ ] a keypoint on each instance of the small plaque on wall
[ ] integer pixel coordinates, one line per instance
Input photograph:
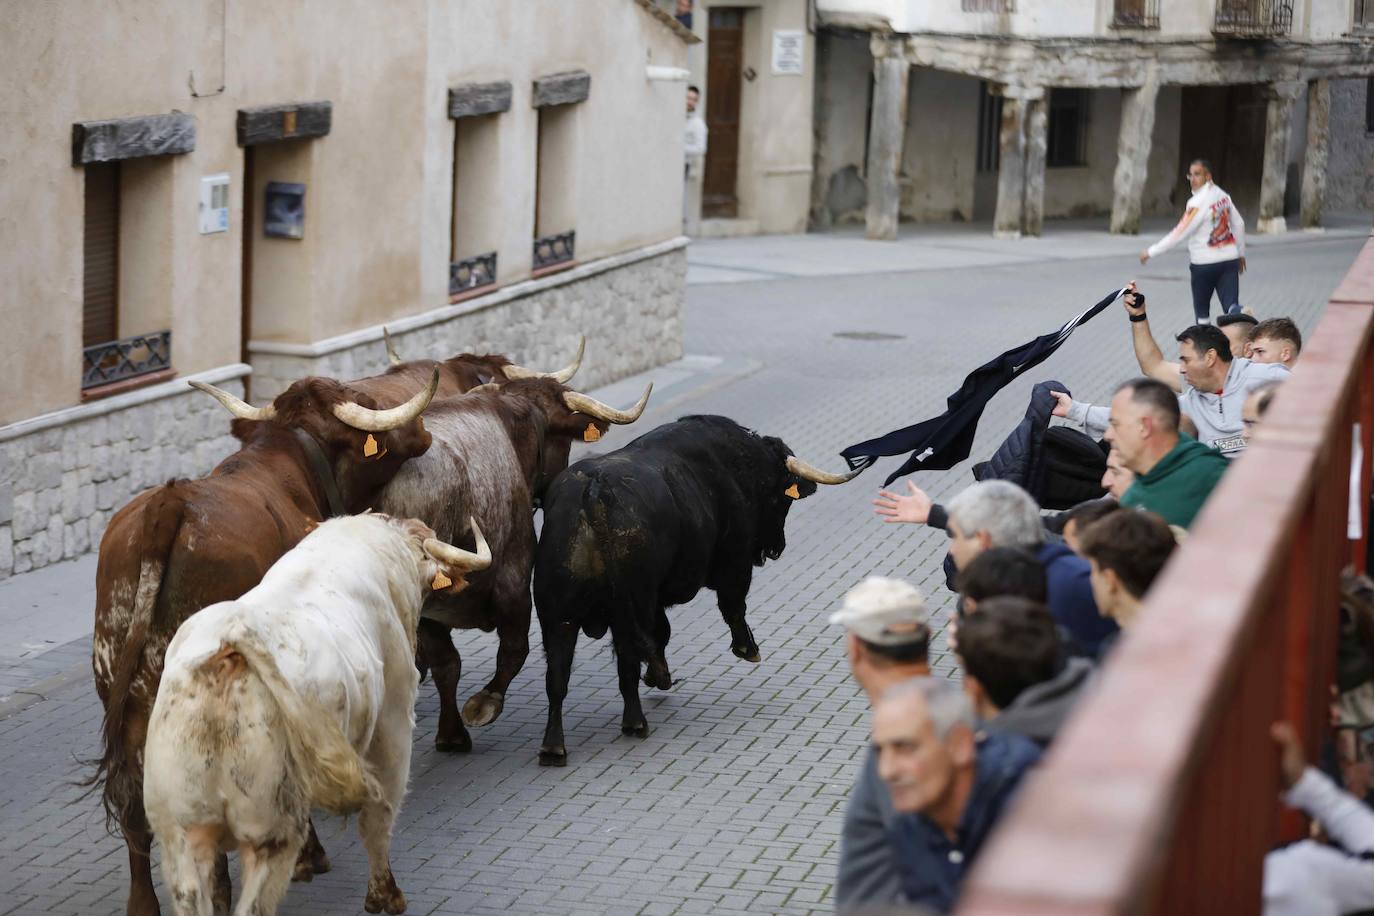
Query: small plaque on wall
(285, 210)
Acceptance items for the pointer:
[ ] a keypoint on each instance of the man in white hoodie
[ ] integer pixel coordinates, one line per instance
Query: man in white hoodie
(1216, 243)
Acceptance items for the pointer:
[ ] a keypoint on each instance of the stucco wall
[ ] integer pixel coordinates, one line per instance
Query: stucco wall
(844, 73)
(378, 200)
(939, 154)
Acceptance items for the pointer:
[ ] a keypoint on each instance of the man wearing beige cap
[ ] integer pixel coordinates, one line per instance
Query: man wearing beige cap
(888, 641)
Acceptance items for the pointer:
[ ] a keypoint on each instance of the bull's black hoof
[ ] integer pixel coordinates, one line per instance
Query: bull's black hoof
(304, 872)
(636, 731)
(748, 653)
(320, 863)
(482, 708)
(660, 681)
(462, 746)
(553, 756)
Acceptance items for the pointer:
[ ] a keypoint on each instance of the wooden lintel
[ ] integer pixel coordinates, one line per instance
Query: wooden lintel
(562, 88)
(290, 121)
(472, 99)
(131, 138)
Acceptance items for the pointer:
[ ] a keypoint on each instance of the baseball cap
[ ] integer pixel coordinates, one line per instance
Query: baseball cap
(883, 611)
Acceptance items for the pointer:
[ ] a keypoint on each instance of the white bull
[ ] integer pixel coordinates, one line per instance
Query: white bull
(301, 693)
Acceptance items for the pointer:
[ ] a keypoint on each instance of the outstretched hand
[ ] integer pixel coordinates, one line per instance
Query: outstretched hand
(1062, 404)
(1292, 760)
(913, 508)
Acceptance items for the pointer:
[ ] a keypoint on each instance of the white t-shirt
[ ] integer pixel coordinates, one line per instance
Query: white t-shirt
(694, 138)
(1211, 224)
(1217, 413)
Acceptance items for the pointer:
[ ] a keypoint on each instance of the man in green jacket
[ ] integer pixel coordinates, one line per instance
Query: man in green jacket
(1174, 472)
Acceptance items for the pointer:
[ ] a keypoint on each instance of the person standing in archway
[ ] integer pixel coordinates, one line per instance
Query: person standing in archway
(1216, 243)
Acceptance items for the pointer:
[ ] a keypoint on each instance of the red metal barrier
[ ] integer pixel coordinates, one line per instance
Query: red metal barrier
(1161, 794)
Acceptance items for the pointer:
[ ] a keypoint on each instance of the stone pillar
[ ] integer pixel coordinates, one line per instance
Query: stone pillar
(1133, 154)
(1318, 144)
(1009, 219)
(1037, 140)
(1274, 179)
(885, 135)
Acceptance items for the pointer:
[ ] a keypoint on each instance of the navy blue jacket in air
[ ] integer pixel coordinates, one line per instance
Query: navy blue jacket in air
(930, 867)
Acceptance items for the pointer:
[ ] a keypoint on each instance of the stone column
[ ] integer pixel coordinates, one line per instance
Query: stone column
(1037, 140)
(1274, 179)
(1009, 219)
(1133, 154)
(886, 132)
(1318, 144)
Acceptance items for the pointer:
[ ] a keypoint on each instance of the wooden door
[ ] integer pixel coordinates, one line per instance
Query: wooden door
(724, 63)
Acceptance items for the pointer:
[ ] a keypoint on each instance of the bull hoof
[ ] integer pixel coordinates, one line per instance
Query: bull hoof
(460, 746)
(660, 680)
(640, 730)
(553, 756)
(386, 897)
(748, 653)
(319, 863)
(304, 871)
(483, 707)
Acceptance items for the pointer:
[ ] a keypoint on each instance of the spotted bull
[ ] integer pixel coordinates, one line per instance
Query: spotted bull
(319, 449)
(299, 694)
(494, 451)
(690, 505)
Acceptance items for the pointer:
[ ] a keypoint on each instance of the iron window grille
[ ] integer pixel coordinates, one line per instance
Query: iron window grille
(988, 6)
(472, 273)
(553, 249)
(131, 357)
(1253, 18)
(1136, 14)
(989, 151)
(1364, 15)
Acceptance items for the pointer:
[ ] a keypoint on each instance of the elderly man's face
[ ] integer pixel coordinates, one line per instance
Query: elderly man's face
(963, 546)
(1129, 428)
(1237, 333)
(913, 761)
(1197, 368)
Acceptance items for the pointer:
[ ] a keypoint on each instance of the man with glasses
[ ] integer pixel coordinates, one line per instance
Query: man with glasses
(1216, 243)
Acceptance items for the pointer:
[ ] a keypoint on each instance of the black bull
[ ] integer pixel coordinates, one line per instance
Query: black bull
(690, 505)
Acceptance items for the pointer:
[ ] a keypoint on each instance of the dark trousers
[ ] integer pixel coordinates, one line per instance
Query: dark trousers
(1223, 278)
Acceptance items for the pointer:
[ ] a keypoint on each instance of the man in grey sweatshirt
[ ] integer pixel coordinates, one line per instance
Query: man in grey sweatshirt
(888, 638)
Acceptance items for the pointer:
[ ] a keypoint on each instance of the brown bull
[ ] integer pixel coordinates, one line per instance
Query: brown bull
(457, 374)
(494, 452)
(320, 449)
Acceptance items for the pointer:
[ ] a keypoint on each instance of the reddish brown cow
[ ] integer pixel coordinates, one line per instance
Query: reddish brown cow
(494, 452)
(320, 449)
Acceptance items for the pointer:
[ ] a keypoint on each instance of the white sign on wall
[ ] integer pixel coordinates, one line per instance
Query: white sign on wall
(788, 47)
(214, 203)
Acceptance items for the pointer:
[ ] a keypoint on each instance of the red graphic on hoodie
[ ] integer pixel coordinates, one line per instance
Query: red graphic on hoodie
(1221, 225)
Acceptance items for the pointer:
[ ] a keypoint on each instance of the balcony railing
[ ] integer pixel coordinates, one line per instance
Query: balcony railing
(124, 359)
(471, 274)
(1160, 795)
(988, 6)
(1135, 14)
(1253, 18)
(552, 250)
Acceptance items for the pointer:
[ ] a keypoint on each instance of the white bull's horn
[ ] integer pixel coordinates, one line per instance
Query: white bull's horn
(562, 376)
(379, 421)
(815, 474)
(593, 408)
(457, 557)
(392, 356)
(240, 409)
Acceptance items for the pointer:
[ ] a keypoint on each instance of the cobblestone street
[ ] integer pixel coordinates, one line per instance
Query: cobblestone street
(734, 801)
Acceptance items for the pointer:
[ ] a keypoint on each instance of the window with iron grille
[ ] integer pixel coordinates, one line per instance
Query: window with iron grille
(1067, 141)
(1135, 14)
(475, 215)
(1364, 15)
(100, 255)
(988, 6)
(1253, 18)
(554, 191)
(989, 129)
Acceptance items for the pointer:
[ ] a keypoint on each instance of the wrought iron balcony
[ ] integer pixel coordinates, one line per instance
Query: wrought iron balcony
(472, 273)
(988, 6)
(1135, 14)
(1253, 18)
(552, 250)
(129, 358)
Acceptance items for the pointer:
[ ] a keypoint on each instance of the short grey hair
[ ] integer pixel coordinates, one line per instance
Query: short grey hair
(1004, 510)
(946, 703)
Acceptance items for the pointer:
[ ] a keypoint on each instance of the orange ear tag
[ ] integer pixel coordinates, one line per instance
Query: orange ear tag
(369, 447)
(591, 433)
(792, 491)
(440, 581)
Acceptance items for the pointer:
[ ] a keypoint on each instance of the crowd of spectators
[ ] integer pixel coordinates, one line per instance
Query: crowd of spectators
(1043, 600)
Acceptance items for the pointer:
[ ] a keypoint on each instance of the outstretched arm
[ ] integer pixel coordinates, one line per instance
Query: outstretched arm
(1147, 352)
(1170, 240)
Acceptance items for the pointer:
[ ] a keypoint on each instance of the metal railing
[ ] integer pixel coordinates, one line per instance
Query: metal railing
(129, 358)
(551, 250)
(471, 273)
(1253, 18)
(1135, 14)
(987, 6)
(1160, 795)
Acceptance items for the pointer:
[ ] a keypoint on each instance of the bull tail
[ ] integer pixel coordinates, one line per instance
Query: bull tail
(117, 773)
(332, 773)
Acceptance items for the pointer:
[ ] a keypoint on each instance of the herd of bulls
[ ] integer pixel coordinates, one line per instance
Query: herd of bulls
(322, 554)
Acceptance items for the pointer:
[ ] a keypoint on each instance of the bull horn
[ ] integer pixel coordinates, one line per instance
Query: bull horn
(379, 421)
(392, 356)
(815, 474)
(457, 557)
(594, 408)
(241, 409)
(478, 389)
(562, 376)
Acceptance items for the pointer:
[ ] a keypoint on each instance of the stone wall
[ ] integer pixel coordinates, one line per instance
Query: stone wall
(1350, 166)
(629, 307)
(63, 475)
